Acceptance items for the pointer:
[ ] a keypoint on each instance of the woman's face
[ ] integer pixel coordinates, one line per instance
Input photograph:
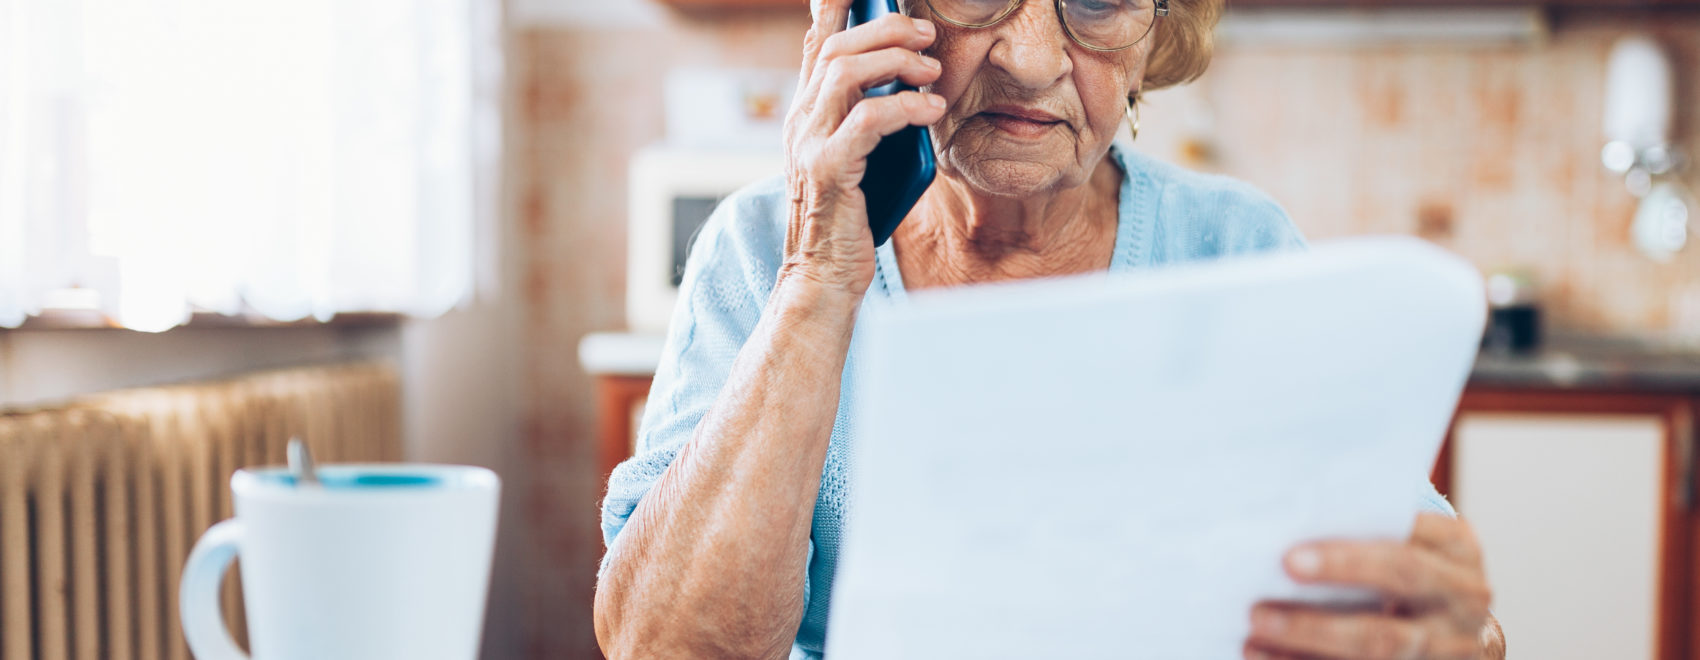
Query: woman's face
(1029, 109)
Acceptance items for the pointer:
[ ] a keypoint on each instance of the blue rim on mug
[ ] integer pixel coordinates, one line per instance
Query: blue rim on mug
(367, 480)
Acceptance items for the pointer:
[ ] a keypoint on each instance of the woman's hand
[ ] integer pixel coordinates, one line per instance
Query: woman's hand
(831, 130)
(1436, 592)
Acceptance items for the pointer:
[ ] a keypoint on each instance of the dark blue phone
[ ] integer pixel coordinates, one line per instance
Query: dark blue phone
(902, 166)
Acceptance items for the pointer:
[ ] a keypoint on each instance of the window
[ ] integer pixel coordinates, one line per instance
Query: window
(292, 159)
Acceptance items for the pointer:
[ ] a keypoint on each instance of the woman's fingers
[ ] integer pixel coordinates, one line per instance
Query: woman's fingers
(855, 60)
(1438, 599)
(1407, 572)
(1449, 536)
(845, 80)
(888, 31)
(1255, 652)
(832, 128)
(840, 65)
(875, 118)
(821, 29)
(826, 41)
(1311, 632)
(830, 17)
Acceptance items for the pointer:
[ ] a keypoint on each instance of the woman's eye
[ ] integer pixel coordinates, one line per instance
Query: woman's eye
(1099, 6)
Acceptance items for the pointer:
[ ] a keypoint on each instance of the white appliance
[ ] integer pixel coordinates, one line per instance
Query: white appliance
(1639, 114)
(671, 192)
(728, 108)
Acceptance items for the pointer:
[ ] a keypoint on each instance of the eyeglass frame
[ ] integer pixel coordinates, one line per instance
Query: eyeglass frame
(1161, 10)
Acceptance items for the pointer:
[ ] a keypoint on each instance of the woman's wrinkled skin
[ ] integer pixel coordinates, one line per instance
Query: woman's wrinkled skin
(1435, 599)
(1018, 198)
(1021, 63)
(711, 563)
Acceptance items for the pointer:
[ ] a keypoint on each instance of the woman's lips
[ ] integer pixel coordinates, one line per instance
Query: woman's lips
(1021, 122)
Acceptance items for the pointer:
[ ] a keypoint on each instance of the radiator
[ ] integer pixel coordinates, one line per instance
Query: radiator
(101, 499)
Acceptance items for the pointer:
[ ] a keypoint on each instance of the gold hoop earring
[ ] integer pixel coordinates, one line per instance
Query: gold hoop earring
(1133, 116)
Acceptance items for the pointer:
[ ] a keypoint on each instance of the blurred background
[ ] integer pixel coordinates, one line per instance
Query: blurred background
(483, 205)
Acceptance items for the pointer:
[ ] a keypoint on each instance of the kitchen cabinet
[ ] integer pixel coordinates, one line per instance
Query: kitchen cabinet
(623, 365)
(1580, 517)
(619, 407)
(1583, 501)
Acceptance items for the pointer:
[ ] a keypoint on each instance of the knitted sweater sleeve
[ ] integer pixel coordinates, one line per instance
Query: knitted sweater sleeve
(728, 276)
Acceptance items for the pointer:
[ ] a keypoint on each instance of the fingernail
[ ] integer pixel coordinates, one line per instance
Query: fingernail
(1255, 654)
(1268, 622)
(935, 100)
(931, 63)
(1304, 562)
(924, 26)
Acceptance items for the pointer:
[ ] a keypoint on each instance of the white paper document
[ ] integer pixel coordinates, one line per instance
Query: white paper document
(1113, 466)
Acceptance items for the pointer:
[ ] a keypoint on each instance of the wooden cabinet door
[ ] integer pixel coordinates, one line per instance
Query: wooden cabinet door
(1608, 487)
(1568, 509)
(619, 407)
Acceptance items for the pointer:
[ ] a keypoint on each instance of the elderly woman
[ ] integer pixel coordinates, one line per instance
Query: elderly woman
(723, 531)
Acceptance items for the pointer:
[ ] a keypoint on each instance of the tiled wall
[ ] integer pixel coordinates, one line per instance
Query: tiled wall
(585, 99)
(1491, 150)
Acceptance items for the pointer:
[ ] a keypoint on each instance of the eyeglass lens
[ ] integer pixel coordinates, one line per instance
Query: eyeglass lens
(1102, 24)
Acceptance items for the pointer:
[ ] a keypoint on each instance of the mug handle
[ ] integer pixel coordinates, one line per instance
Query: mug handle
(197, 595)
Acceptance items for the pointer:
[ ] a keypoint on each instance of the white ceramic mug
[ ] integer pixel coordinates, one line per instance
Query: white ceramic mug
(380, 561)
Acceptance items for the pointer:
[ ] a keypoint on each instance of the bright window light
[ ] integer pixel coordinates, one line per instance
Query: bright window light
(291, 159)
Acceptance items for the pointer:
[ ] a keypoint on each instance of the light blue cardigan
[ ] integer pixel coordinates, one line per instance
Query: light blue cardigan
(1167, 215)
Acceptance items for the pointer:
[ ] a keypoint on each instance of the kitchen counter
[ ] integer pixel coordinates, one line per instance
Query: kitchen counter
(1593, 363)
(621, 353)
(1565, 362)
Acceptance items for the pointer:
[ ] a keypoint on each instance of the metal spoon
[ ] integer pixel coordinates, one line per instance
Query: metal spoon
(301, 464)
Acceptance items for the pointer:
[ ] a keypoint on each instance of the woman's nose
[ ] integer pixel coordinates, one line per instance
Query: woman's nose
(1032, 47)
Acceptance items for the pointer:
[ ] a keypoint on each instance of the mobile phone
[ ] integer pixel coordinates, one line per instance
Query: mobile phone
(903, 165)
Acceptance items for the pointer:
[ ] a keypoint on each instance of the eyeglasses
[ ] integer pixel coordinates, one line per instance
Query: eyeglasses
(1100, 25)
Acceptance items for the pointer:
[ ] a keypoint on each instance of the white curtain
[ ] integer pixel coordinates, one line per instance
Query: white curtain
(290, 159)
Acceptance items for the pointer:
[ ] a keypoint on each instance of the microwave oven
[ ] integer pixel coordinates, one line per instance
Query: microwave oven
(671, 192)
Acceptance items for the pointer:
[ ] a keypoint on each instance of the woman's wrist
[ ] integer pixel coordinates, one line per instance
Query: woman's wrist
(800, 299)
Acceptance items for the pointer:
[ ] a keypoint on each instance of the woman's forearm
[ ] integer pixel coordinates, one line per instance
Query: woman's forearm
(711, 562)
